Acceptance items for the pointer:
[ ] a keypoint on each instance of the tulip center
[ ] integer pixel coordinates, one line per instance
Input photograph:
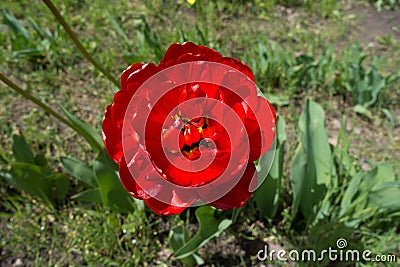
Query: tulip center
(192, 137)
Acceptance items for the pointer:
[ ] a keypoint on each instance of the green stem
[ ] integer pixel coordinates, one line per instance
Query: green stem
(35, 100)
(235, 213)
(76, 41)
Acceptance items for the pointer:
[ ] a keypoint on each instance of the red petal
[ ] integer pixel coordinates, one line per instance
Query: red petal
(208, 132)
(161, 208)
(136, 78)
(125, 74)
(131, 79)
(112, 137)
(127, 180)
(189, 176)
(235, 63)
(191, 134)
(172, 139)
(175, 51)
(266, 118)
(240, 194)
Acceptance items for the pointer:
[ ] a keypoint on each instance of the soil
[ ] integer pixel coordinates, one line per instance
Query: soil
(371, 23)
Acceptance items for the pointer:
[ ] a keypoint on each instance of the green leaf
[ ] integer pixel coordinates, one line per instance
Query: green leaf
(15, 25)
(209, 227)
(363, 111)
(79, 170)
(6, 176)
(85, 130)
(350, 194)
(28, 53)
(21, 150)
(369, 192)
(31, 179)
(200, 33)
(59, 185)
(389, 115)
(379, 174)
(111, 190)
(376, 84)
(36, 26)
(346, 165)
(177, 239)
(119, 199)
(40, 160)
(151, 39)
(267, 195)
(91, 195)
(131, 57)
(3, 157)
(386, 196)
(278, 100)
(105, 176)
(311, 168)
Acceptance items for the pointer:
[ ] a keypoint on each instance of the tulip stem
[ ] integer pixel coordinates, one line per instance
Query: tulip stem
(35, 100)
(235, 213)
(78, 44)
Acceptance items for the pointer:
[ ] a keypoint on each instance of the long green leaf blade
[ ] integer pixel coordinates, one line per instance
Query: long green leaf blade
(267, 195)
(111, 190)
(311, 167)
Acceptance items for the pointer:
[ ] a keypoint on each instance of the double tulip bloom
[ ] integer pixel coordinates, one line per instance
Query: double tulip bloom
(188, 130)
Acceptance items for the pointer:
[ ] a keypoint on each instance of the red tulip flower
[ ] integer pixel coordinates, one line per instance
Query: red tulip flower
(187, 132)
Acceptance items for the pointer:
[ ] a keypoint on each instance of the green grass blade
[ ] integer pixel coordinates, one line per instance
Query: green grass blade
(90, 195)
(85, 130)
(15, 25)
(118, 29)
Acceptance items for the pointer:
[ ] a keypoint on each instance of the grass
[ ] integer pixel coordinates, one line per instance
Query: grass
(80, 236)
(128, 31)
